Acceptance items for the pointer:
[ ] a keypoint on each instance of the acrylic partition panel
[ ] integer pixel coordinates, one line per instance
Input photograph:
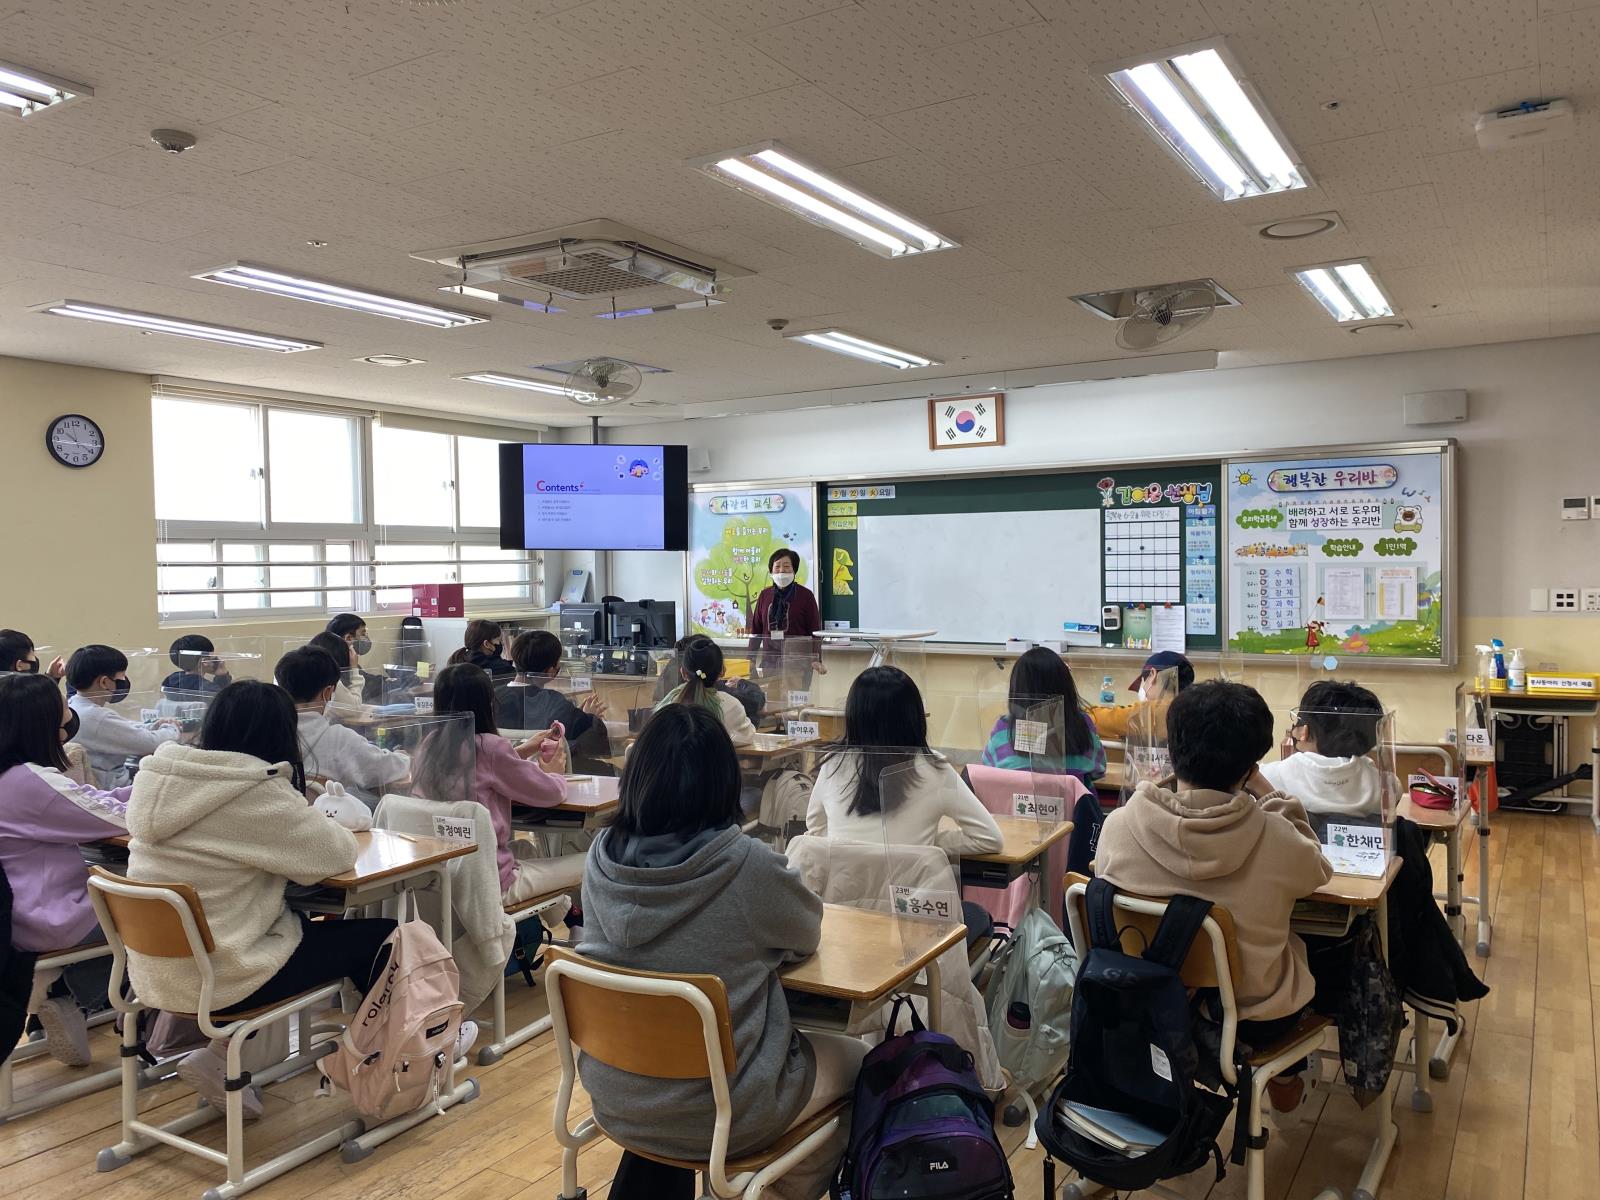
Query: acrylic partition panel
(431, 757)
(1475, 748)
(1146, 758)
(391, 674)
(164, 718)
(210, 672)
(147, 666)
(594, 722)
(1348, 786)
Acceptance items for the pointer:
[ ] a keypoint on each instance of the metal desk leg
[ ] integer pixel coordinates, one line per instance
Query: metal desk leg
(1485, 922)
(935, 997)
(1421, 1064)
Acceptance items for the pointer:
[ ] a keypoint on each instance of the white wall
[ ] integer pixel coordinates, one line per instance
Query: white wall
(1533, 436)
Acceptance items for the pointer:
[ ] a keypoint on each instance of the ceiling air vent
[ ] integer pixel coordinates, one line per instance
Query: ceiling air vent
(1121, 303)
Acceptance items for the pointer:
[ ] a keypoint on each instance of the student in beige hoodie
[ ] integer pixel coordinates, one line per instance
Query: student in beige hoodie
(1224, 834)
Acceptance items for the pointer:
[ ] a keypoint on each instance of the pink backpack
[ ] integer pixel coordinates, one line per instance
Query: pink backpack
(393, 1055)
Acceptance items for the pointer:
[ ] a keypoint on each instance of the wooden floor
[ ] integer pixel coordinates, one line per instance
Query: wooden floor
(1516, 1119)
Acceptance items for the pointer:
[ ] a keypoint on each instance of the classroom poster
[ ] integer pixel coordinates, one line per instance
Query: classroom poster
(731, 535)
(1339, 555)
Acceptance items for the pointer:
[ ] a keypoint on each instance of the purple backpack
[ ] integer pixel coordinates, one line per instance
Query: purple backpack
(922, 1124)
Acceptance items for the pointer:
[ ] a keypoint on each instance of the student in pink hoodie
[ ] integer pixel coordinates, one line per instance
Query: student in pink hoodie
(44, 816)
(503, 775)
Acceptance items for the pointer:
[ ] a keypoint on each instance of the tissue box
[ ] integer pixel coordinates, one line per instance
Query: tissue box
(438, 600)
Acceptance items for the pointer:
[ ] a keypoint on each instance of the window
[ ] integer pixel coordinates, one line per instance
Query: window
(276, 509)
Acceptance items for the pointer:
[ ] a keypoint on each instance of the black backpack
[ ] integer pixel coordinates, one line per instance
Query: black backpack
(1134, 1059)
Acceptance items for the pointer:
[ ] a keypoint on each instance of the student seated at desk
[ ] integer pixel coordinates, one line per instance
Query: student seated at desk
(1227, 836)
(366, 686)
(346, 704)
(229, 816)
(503, 775)
(674, 885)
(1163, 675)
(482, 645)
(44, 817)
(197, 670)
(98, 676)
(700, 667)
(331, 751)
(527, 702)
(886, 726)
(1336, 726)
(17, 654)
(1038, 677)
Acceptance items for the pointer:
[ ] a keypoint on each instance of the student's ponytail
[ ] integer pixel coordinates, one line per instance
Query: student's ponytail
(701, 664)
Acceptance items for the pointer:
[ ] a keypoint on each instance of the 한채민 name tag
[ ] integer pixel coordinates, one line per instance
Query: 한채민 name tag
(1354, 849)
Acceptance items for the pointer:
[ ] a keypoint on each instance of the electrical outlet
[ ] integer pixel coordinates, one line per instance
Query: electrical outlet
(1563, 600)
(1591, 600)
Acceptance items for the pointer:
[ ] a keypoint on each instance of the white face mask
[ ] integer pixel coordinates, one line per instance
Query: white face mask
(783, 578)
(1142, 695)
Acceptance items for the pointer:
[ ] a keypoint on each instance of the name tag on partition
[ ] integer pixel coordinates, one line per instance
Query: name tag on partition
(803, 731)
(798, 699)
(1041, 808)
(1478, 748)
(1354, 849)
(424, 706)
(583, 683)
(1029, 737)
(906, 901)
(458, 829)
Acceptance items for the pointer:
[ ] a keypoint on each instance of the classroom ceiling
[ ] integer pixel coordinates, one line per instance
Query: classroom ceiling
(384, 127)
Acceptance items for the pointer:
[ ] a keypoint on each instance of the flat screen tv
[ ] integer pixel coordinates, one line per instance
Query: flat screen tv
(575, 497)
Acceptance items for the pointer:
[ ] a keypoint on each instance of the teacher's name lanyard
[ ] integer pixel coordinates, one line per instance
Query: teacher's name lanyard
(778, 614)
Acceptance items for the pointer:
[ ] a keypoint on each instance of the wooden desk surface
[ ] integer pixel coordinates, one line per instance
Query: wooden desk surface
(1111, 781)
(1357, 891)
(788, 747)
(383, 854)
(1434, 820)
(865, 955)
(1023, 840)
(590, 794)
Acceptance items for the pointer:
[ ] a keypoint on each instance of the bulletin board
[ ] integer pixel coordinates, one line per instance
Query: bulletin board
(987, 558)
(1342, 552)
(733, 531)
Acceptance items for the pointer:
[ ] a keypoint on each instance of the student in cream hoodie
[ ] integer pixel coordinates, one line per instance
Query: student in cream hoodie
(1224, 834)
(1335, 728)
(230, 817)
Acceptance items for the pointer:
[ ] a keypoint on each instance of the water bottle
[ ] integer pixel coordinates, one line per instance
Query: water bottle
(1108, 692)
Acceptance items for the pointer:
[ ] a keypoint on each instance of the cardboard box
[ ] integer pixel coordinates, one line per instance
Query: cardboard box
(438, 600)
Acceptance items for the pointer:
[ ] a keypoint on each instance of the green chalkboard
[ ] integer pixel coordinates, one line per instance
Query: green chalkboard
(1157, 540)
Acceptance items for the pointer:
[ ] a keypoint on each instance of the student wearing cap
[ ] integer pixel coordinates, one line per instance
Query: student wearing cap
(1163, 675)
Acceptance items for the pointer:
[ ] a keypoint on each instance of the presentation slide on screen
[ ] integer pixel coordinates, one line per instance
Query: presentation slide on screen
(580, 497)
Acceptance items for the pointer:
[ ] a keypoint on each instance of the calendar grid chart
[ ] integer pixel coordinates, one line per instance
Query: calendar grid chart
(1143, 560)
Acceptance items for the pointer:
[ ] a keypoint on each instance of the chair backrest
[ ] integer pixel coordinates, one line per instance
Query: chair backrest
(643, 1022)
(148, 917)
(1137, 926)
(995, 787)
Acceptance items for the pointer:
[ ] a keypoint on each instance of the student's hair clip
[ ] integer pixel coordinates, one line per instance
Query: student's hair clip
(700, 675)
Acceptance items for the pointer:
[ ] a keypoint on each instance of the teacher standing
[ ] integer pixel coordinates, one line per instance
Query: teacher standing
(786, 621)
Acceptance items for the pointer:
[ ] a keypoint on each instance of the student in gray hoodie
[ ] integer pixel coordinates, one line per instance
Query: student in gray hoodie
(674, 885)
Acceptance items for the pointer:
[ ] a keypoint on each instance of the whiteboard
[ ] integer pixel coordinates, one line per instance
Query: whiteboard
(980, 577)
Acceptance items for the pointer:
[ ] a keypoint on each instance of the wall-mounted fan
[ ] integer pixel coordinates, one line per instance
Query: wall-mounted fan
(599, 382)
(1166, 315)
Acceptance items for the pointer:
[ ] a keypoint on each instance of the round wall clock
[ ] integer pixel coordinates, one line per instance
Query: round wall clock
(75, 441)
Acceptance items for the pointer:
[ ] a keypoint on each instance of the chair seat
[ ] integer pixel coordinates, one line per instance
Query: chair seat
(100, 945)
(534, 901)
(1310, 1025)
(786, 1141)
(245, 1014)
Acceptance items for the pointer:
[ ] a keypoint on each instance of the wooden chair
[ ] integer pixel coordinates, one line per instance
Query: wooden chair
(1213, 962)
(166, 920)
(36, 1099)
(663, 1027)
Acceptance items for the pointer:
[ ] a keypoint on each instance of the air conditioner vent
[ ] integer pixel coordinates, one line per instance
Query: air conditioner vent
(581, 275)
(1120, 303)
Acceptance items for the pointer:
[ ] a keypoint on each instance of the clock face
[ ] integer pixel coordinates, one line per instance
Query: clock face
(75, 441)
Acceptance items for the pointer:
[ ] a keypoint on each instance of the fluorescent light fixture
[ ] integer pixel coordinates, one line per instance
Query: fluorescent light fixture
(496, 379)
(1348, 290)
(482, 293)
(857, 347)
(24, 91)
(298, 287)
(1195, 100)
(774, 174)
(152, 323)
(617, 314)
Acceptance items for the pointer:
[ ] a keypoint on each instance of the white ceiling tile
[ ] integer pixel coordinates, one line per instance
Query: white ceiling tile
(1570, 46)
(752, 16)
(1377, 162)
(1444, 113)
(929, 23)
(1296, 29)
(1425, 291)
(1298, 90)
(1443, 40)
(1102, 32)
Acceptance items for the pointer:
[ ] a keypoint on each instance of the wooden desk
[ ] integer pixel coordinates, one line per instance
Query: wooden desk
(1110, 784)
(865, 955)
(586, 806)
(762, 756)
(1359, 891)
(383, 855)
(1024, 842)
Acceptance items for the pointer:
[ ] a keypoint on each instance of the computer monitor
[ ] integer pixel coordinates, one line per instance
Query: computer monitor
(649, 624)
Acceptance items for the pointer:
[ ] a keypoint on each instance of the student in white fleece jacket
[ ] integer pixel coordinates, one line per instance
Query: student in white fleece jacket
(229, 817)
(1336, 727)
(883, 784)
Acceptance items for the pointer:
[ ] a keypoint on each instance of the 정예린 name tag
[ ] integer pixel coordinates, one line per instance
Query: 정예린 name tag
(456, 829)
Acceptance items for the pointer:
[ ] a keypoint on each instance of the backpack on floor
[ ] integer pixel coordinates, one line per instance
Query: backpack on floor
(1129, 1113)
(1030, 1000)
(922, 1124)
(393, 1055)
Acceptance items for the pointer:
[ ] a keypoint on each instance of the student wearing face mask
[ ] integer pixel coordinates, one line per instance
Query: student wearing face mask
(786, 620)
(1162, 671)
(332, 751)
(482, 647)
(368, 686)
(17, 654)
(98, 676)
(346, 704)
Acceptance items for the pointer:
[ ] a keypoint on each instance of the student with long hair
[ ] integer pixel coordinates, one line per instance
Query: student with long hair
(229, 816)
(1039, 680)
(700, 666)
(44, 816)
(674, 885)
(886, 729)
